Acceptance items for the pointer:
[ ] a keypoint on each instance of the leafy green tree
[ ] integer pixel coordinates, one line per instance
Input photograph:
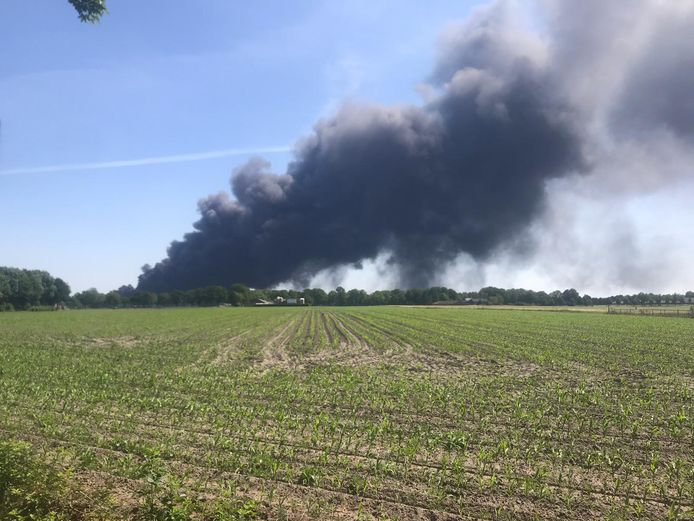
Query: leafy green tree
(126, 291)
(556, 298)
(378, 298)
(89, 11)
(62, 291)
(239, 294)
(90, 298)
(340, 296)
(177, 298)
(48, 289)
(356, 297)
(210, 296)
(493, 295)
(150, 299)
(144, 298)
(259, 294)
(113, 299)
(26, 288)
(397, 297)
(570, 297)
(4, 288)
(22, 289)
(542, 298)
(316, 296)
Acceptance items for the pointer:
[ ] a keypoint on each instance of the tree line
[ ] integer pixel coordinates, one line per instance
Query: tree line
(24, 289)
(35, 289)
(241, 295)
(571, 297)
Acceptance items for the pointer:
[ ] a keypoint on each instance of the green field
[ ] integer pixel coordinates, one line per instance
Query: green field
(345, 413)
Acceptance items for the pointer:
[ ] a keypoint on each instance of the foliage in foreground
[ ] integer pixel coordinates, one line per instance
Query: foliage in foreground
(33, 490)
(89, 11)
(29, 489)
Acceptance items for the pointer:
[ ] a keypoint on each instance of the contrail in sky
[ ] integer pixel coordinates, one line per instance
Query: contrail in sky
(125, 163)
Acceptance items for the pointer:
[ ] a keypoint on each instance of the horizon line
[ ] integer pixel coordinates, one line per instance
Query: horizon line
(156, 160)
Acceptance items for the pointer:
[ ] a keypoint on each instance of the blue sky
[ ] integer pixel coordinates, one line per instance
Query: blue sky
(161, 78)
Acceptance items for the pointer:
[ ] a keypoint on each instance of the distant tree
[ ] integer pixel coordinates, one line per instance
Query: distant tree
(89, 11)
(4, 288)
(177, 298)
(259, 294)
(164, 299)
(113, 299)
(437, 294)
(21, 289)
(239, 294)
(90, 298)
(126, 291)
(570, 297)
(542, 298)
(211, 296)
(28, 289)
(144, 298)
(316, 296)
(414, 296)
(150, 298)
(62, 290)
(340, 296)
(48, 288)
(397, 297)
(356, 297)
(380, 298)
(493, 295)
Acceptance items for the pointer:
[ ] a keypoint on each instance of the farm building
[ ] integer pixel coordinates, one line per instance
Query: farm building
(281, 301)
(465, 302)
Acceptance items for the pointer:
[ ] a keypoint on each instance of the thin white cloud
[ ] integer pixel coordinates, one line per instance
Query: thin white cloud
(125, 163)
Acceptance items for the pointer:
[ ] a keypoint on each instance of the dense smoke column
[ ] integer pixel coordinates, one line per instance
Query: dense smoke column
(463, 173)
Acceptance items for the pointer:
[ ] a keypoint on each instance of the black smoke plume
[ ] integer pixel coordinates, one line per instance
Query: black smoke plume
(463, 173)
